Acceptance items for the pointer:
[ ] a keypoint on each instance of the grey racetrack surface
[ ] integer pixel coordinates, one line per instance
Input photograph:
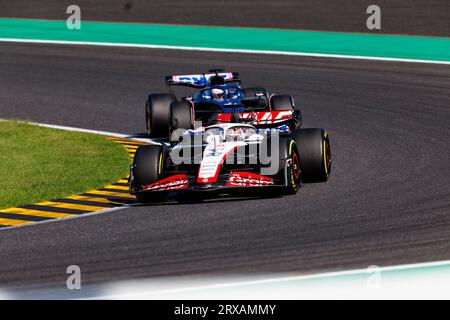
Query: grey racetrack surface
(387, 202)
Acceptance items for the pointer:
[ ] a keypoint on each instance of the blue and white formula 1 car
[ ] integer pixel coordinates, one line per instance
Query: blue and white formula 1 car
(229, 158)
(219, 99)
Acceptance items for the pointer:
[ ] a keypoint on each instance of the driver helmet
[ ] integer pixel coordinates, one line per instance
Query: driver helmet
(217, 94)
(235, 131)
(234, 134)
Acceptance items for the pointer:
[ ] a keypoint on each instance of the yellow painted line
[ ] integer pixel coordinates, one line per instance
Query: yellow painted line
(12, 222)
(69, 206)
(131, 147)
(36, 213)
(127, 144)
(133, 142)
(117, 187)
(90, 199)
(122, 181)
(112, 194)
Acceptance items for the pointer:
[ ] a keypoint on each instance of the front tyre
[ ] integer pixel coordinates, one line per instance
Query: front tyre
(315, 154)
(148, 167)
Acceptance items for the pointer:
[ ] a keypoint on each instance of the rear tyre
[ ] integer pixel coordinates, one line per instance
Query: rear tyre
(315, 154)
(157, 115)
(281, 103)
(181, 116)
(148, 167)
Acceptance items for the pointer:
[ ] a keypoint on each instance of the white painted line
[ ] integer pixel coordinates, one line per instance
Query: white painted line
(75, 129)
(66, 128)
(267, 281)
(286, 53)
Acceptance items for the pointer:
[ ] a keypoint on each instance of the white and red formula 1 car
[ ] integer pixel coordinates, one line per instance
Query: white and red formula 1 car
(230, 158)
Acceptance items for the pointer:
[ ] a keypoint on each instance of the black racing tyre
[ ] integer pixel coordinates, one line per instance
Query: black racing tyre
(315, 154)
(281, 103)
(157, 115)
(250, 93)
(148, 167)
(181, 116)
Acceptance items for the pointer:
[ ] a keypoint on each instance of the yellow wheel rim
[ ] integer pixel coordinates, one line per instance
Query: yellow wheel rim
(160, 164)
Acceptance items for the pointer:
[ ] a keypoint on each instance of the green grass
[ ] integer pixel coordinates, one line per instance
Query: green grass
(39, 164)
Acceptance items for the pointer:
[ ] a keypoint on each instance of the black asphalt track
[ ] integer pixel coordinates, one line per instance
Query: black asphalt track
(387, 202)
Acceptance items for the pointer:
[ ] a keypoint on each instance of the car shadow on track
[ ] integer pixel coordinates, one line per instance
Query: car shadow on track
(178, 200)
